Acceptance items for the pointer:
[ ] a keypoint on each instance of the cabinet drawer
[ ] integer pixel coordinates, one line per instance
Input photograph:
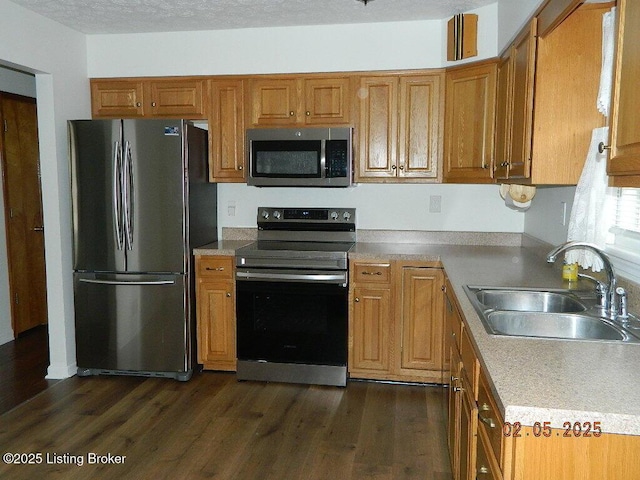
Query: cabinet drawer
(489, 418)
(372, 272)
(212, 266)
(487, 467)
(469, 361)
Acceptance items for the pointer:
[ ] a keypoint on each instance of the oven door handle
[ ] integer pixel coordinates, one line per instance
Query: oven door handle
(340, 278)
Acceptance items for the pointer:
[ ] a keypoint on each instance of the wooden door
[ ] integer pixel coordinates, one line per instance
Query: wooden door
(378, 132)
(453, 418)
(226, 131)
(369, 335)
(524, 61)
(176, 98)
(503, 117)
(117, 99)
(274, 101)
(216, 325)
(327, 101)
(422, 322)
(470, 115)
(419, 139)
(23, 212)
(468, 431)
(624, 163)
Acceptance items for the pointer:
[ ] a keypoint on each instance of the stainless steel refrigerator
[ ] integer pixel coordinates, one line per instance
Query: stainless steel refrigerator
(141, 203)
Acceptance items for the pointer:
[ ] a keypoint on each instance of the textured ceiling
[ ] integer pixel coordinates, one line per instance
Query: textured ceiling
(137, 16)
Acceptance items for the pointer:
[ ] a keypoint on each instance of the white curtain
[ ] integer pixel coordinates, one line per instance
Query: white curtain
(593, 209)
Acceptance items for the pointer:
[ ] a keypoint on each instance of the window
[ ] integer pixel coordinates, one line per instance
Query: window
(624, 248)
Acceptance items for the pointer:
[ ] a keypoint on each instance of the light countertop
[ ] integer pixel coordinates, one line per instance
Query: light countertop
(533, 380)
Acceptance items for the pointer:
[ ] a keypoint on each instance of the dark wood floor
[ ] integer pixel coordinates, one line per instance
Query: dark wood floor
(23, 366)
(216, 427)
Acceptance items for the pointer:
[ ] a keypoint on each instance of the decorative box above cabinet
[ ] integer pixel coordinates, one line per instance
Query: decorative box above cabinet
(291, 101)
(158, 97)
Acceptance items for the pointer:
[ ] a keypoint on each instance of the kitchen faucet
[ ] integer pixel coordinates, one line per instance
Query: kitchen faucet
(607, 293)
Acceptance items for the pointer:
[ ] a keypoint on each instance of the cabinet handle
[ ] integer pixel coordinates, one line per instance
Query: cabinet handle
(153, 104)
(292, 113)
(240, 167)
(138, 104)
(483, 470)
(228, 294)
(454, 379)
(602, 147)
(372, 273)
(308, 113)
(458, 389)
(357, 299)
(393, 167)
(401, 167)
(217, 269)
(486, 420)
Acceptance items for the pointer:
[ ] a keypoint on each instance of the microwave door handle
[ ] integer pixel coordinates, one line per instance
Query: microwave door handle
(323, 159)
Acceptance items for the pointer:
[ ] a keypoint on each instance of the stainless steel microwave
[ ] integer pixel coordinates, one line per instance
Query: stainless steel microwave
(299, 157)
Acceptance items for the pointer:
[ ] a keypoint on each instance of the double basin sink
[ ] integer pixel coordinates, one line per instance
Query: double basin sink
(563, 314)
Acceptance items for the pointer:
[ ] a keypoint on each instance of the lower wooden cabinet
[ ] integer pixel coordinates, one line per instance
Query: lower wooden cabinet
(215, 317)
(396, 321)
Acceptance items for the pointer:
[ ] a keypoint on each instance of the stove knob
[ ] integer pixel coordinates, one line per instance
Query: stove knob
(277, 215)
(265, 214)
(346, 216)
(334, 215)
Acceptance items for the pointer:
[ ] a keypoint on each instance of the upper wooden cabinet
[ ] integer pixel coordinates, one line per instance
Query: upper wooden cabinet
(292, 101)
(132, 98)
(400, 127)
(544, 130)
(226, 131)
(470, 106)
(624, 163)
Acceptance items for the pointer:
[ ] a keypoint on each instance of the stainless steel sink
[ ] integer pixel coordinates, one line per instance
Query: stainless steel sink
(553, 325)
(529, 301)
(544, 313)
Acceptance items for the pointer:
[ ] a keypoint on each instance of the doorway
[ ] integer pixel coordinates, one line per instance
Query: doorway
(23, 211)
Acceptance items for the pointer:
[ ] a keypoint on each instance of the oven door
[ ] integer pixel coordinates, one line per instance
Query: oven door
(285, 320)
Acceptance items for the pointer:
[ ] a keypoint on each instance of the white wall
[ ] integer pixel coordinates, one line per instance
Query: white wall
(19, 83)
(57, 56)
(473, 208)
(512, 16)
(379, 46)
(548, 217)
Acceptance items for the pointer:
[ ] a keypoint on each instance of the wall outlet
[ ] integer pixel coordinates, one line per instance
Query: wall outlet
(435, 204)
(231, 208)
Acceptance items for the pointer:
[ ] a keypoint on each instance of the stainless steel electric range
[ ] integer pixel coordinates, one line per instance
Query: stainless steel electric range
(292, 296)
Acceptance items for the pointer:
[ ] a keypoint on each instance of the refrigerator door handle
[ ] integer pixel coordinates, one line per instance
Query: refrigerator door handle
(128, 195)
(121, 282)
(117, 195)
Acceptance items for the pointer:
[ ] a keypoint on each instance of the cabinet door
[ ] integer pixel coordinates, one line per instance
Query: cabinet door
(624, 163)
(326, 101)
(176, 98)
(421, 115)
(455, 404)
(274, 101)
(369, 335)
(378, 128)
(226, 131)
(503, 117)
(116, 99)
(216, 332)
(523, 56)
(468, 432)
(422, 319)
(470, 115)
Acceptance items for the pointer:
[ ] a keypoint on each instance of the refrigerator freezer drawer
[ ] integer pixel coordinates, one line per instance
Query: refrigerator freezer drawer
(132, 324)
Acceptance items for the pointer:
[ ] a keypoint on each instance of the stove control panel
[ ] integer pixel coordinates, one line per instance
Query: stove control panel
(306, 215)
